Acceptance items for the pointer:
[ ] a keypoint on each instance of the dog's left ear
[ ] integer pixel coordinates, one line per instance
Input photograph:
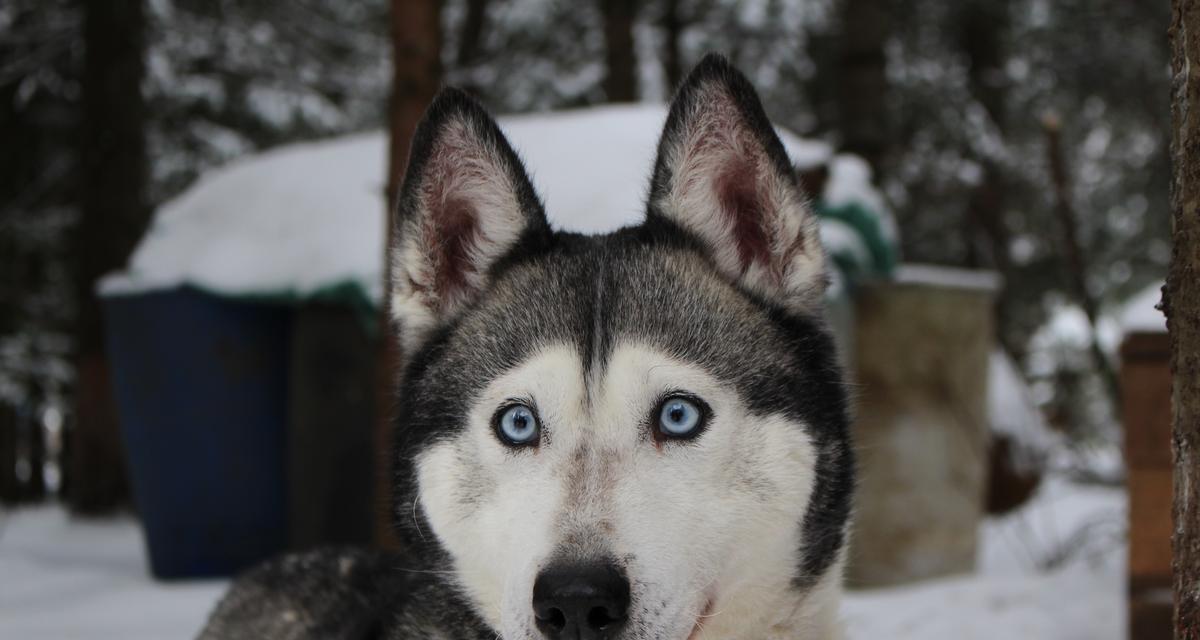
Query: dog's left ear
(723, 176)
(466, 203)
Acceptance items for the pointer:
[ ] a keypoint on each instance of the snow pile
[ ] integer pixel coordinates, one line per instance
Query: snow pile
(1140, 314)
(1067, 328)
(1013, 412)
(66, 579)
(850, 182)
(310, 217)
(592, 166)
(1054, 569)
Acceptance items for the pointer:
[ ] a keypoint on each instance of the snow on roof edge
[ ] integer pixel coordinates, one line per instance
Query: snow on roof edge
(1141, 314)
(949, 277)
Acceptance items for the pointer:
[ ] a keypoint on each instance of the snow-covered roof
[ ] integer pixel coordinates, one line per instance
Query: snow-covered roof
(292, 220)
(1140, 314)
(311, 216)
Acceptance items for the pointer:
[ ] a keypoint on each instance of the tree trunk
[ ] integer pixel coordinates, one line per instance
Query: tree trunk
(982, 30)
(862, 85)
(472, 32)
(1076, 260)
(470, 36)
(672, 26)
(10, 484)
(114, 213)
(1182, 307)
(620, 56)
(417, 75)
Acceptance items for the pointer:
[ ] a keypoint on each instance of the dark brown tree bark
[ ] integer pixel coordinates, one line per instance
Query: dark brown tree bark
(982, 27)
(10, 484)
(331, 469)
(672, 26)
(620, 55)
(862, 80)
(472, 32)
(1182, 307)
(1076, 260)
(114, 213)
(417, 75)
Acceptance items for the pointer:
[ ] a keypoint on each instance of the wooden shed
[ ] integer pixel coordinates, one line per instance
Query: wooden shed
(1146, 415)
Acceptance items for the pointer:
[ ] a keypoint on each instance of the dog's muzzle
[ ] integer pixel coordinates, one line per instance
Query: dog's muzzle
(586, 601)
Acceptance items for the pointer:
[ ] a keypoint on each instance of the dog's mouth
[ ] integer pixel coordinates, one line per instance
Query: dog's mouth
(705, 613)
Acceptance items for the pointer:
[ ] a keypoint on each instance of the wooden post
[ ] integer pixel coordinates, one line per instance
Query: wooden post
(417, 75)
(1182, 307)
(1146, 416)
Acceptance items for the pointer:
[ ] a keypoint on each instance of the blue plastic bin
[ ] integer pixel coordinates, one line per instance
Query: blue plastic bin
(201, 386)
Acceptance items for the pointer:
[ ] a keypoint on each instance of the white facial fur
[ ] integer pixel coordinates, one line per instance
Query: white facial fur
(704, 527)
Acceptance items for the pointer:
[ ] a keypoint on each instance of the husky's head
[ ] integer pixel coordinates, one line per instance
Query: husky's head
(639, 435)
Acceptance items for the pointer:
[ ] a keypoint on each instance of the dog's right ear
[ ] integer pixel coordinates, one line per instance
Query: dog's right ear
(466, 203)
(723, 176)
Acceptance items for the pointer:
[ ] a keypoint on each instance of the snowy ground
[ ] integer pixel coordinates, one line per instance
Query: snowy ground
(64, 579)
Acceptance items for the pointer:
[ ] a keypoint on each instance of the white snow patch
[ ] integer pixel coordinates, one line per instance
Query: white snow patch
(851, 182)
(1013, 412)
(294, 219)
(309, 216)
(948, 277)
(1068, 326)
(1080, 530)
(1140, 315)
(839, 237)
(65, 579)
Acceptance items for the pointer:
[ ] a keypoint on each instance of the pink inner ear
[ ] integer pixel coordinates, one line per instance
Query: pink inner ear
(738, 193)
(450, 227)
(453, 230)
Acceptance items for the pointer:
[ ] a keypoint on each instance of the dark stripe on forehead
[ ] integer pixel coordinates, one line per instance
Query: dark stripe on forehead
(595, 346)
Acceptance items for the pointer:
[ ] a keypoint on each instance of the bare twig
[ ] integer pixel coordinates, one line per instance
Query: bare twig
(1076, 259)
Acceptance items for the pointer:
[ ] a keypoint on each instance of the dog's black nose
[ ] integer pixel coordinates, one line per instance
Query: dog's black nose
(581, 601)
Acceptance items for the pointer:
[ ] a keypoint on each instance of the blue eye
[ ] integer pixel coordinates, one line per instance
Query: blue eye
(517, 425)
(680, 417)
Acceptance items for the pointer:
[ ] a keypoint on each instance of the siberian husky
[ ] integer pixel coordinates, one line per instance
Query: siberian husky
(633, 436)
